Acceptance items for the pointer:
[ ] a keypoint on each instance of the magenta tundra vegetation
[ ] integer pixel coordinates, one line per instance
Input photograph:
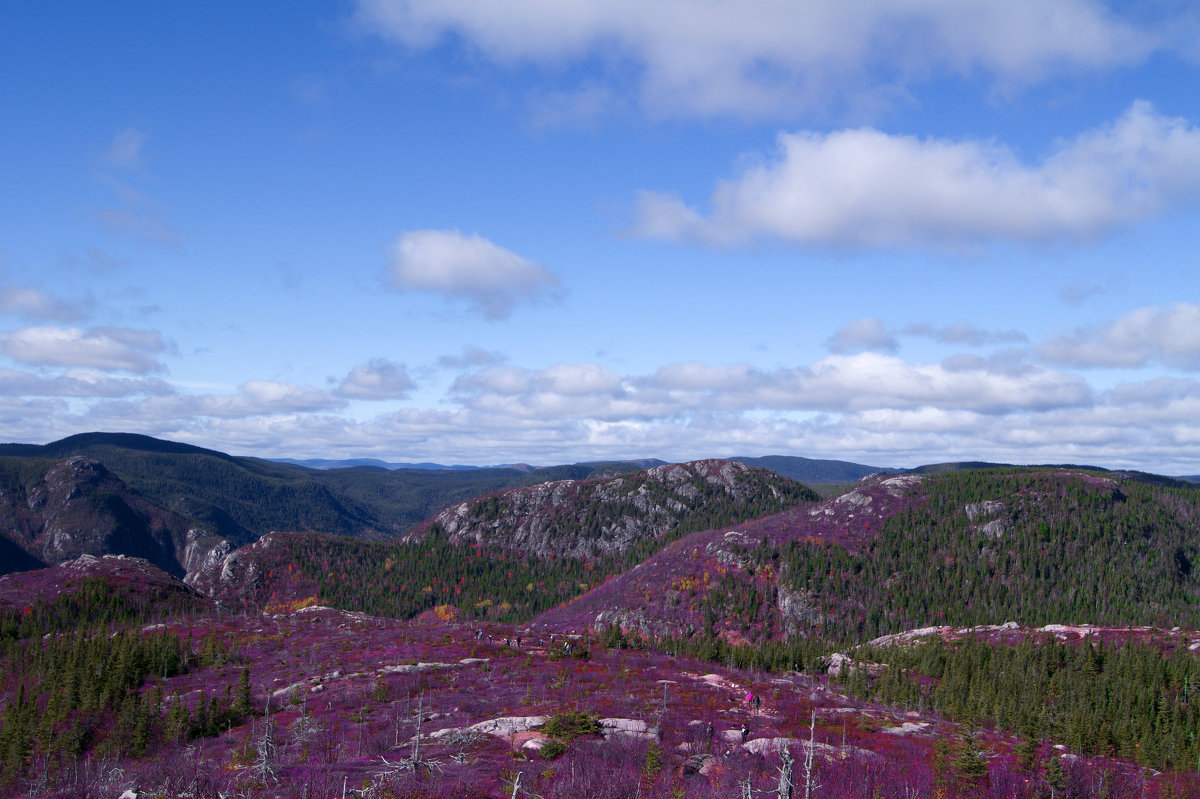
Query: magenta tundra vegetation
(119, 678)
(309, 701)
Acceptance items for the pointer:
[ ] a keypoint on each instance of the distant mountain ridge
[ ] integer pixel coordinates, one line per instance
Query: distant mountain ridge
(331, 463)
(809, 470)
(805, 470)
(181, 506)
(242, 498)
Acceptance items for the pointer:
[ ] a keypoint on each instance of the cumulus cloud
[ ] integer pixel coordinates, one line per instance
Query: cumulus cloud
(862, 334)
(1165, 335)
(27, 302)
(874, 381)
(869, 407)
(764, 57)
(492, 279)
(838, 383)
(378, 379)
(694, 376)
(106, 348)
(866, 188)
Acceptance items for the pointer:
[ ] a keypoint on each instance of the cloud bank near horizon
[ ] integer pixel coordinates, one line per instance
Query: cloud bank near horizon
(867, 404)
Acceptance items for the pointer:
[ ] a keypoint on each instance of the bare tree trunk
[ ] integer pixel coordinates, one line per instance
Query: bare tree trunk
(810, 782)
(784, 791)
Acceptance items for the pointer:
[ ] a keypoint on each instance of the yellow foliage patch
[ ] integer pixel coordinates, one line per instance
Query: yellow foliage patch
(291, 606)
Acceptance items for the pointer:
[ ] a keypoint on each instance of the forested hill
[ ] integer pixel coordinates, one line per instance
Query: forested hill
(53, 511)
(961, 548)
(505, 556)
(241, 499)
(994, 545)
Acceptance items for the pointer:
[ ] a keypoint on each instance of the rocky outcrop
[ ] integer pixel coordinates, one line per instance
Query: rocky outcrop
(639, 623)
(241, 578)
(590, 518)
(799, 611)
(78, 507)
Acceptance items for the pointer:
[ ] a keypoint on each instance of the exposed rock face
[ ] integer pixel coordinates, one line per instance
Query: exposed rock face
(641, 623)
(78, 507)
(798, 611)
(589, 518)
(203, 550)
(239, 578)
(981, 510)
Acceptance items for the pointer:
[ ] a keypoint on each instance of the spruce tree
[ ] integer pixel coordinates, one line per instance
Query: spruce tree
(970, 767)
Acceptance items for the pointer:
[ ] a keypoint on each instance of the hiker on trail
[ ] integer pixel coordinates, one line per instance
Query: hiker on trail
(749, 697)
(745, 733)
(757, 702)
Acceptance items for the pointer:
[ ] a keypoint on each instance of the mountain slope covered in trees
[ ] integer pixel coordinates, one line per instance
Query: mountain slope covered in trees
(957, 548)
(52, 511)
(505, 556)
(240, 499)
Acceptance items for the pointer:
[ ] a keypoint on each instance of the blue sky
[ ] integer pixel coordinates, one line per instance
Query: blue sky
(454, 230)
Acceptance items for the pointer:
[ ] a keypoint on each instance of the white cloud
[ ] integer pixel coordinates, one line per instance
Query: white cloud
(868, 408)
(78, 383)
(509, 380)
(873, 381)
(862, 334)
(1170, 336)
(31, 303)
(766, 57)
(694, 376)
(492, 279)
(839, 383)
(964, 333)
(579, 379)
(866, 188)
(254, 398)
(378, 379)
(108, 348)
